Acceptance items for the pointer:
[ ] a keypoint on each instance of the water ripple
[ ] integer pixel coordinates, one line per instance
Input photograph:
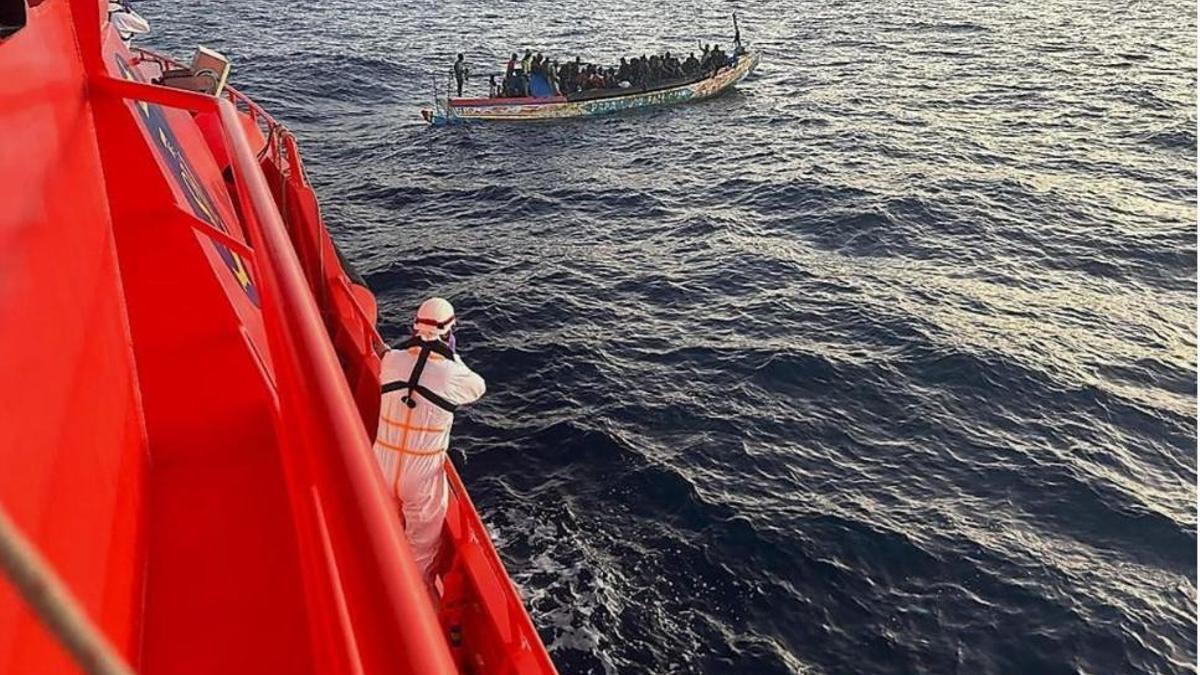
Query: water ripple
(884, 362)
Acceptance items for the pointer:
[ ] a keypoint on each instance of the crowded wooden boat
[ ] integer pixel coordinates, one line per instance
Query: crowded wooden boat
(537, 86)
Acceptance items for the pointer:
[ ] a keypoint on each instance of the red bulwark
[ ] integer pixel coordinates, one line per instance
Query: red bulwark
(73, 448)
(191, 386)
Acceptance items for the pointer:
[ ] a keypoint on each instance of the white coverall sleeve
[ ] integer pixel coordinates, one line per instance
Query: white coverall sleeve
(463, 386)
(128, 22)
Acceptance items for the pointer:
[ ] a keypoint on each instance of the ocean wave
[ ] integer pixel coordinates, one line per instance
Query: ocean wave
(883, 363)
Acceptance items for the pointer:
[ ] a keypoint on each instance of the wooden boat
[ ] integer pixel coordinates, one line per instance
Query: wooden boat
(191, 388)
(586, 104)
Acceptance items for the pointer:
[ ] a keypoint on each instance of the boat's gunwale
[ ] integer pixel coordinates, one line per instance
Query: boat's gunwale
(510, 100)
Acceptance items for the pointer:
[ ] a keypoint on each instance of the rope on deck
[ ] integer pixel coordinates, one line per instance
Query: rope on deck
(54, 605)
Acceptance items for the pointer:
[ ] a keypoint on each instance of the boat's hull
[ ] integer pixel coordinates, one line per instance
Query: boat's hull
(559, 107)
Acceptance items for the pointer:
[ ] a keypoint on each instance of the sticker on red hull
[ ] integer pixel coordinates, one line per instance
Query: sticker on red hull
(201, 203)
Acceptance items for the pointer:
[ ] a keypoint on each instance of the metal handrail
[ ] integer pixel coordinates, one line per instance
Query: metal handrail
(51, 600)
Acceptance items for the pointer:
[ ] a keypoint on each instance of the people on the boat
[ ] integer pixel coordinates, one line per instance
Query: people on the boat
(671, 66)
(516, 84)
(563, 76)
(460, 73)
(424, 381)
(641, 72)
(717, 60)
(552, 77)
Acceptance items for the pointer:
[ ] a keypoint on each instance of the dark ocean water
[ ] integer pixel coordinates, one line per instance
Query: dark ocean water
(883, 363)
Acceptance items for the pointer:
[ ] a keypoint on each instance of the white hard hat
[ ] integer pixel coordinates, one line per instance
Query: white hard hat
(435, 319)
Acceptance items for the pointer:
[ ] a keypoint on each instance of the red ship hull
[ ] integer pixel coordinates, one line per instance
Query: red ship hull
(191, 389)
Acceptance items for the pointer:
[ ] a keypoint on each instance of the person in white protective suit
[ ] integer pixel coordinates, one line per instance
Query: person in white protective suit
(129, 24)
(424, 382)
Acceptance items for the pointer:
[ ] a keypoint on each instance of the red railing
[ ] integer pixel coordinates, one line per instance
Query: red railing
(256, 112)
(281, 146)
(371, 612)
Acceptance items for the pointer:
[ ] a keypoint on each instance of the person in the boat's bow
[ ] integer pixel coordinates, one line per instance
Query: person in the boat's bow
(460, 73)
(424, 382)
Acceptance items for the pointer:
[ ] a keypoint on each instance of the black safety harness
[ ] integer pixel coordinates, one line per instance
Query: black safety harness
(413, 383)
